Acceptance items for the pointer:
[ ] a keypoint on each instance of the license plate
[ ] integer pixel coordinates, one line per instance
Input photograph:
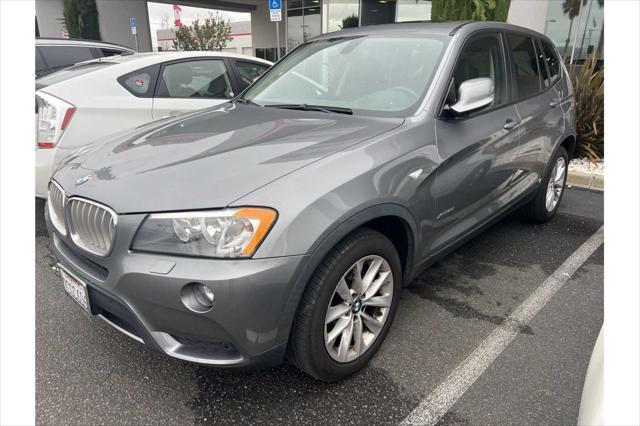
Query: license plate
(76, 289)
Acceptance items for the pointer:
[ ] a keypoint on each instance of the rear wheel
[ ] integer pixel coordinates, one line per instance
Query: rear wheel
(549, 194)
(347, 308)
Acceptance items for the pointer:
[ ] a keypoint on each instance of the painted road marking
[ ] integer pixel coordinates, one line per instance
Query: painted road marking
(437, 403)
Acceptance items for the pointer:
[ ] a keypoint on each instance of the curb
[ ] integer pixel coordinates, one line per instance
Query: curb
(585, 180)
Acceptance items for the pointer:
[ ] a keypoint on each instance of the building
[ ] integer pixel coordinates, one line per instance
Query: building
(576, 27)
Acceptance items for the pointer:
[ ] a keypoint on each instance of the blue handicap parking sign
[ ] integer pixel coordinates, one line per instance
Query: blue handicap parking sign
(133, 22)
(275, 4)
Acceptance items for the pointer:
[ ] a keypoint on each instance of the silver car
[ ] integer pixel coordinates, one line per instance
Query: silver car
(284, 223)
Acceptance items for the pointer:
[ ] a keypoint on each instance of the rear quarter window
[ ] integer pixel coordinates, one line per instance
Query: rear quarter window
(553, 61)
(142, 82)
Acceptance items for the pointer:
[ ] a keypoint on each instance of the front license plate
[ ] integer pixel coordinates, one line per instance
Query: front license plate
(76, 289)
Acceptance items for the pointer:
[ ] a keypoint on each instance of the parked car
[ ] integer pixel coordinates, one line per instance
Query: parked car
(285, 222)
(95, 98)
(592, 402)
(53, 54)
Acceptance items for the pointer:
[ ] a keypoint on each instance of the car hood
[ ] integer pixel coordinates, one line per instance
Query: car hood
(210, 158)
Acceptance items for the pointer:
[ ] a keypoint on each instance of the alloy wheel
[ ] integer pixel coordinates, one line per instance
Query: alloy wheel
(556, 184)
(358, 308)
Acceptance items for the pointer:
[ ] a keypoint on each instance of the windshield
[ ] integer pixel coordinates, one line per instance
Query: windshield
(374, 75)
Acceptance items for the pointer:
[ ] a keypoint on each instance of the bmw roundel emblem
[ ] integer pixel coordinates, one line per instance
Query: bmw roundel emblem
(83, 179)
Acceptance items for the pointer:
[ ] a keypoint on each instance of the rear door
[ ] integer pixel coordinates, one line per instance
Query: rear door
(535, 88)
(190, 85)
(477, 149)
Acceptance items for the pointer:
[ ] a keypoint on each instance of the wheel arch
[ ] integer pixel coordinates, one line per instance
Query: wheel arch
(385, 218)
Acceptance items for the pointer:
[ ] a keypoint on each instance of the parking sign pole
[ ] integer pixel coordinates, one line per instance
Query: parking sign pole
(275, 14)
(277, 41)
(134, 30)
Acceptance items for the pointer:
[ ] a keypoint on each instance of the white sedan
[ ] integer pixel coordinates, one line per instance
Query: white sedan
(96, 98)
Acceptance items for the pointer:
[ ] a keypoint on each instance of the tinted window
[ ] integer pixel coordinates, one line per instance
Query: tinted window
(58, 56)
(249, 72)
(40, 65)
(196, 79)
(553, 62)
(542, 65)
(525, 66)
(111, 52)
(142, 82)
(482, 57)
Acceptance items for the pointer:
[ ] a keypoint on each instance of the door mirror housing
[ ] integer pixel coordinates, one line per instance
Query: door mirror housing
(474, 94)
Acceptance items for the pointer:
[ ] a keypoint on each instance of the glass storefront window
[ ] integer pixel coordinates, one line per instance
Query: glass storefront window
(378, 12)
(413, 10)
(565, 27)
(303, 21)
(340, 14)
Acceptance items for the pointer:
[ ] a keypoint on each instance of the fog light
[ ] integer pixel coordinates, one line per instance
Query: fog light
(197, 297)
(204, 295)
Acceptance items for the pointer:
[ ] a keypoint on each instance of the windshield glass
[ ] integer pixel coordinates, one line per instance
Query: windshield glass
(375, 75)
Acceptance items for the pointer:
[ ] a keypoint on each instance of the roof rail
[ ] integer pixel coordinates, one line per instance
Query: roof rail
(453, 31)
(85, 40)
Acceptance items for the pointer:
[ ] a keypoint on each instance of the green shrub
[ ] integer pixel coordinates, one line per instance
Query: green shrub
(81, 19)
(477, 10)
(588, 86)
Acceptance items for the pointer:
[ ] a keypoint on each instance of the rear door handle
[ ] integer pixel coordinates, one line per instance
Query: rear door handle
(555, 102)
(511, 123)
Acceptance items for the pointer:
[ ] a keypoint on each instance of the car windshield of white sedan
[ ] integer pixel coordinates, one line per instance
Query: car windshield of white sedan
(383, 75)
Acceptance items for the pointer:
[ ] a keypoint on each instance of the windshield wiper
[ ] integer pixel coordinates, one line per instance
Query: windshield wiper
(307, 107)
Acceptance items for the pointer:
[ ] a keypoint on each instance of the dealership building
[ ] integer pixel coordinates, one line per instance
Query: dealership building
(576, 31)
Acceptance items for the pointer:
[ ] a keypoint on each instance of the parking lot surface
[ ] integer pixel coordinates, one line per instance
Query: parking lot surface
(89, 373)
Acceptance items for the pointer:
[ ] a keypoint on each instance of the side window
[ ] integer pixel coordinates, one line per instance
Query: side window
(481, 57)
(542, 65)
(195, 79)
(249, 72)
(59, 56)
(40, 65)
(553, 62)
(142, 82)
(110, 52)
(524, 64)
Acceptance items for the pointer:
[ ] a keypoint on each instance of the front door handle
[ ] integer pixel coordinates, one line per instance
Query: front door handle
(511, 123)
(555, 102)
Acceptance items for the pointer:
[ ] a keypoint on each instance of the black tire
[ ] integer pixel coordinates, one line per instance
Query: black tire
(536, 209)
(306, 348)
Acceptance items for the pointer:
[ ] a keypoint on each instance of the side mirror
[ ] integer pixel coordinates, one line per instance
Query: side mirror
(473, 94)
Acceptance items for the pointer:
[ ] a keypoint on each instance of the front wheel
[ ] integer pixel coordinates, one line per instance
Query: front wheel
(347, 308)
(549, 194)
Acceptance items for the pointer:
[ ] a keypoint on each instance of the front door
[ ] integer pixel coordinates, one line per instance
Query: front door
(191, 85)
(477, 150)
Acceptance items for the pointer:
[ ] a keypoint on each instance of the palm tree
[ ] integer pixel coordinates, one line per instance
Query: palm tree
(571, 8)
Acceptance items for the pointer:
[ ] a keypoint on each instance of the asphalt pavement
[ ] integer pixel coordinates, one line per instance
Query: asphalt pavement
(89, 373)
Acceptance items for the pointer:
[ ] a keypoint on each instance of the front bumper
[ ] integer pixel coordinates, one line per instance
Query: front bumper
(44, 164)
(140, 294)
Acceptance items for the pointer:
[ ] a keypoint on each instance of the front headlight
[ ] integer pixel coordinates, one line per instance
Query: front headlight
(216, 233)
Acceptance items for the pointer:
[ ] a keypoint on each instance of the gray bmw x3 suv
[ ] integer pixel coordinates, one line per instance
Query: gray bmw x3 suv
(284, 223)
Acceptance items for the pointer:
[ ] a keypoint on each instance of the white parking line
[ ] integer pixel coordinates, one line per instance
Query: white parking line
(437, 403)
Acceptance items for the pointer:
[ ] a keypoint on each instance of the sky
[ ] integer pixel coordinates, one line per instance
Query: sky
(158, 11)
